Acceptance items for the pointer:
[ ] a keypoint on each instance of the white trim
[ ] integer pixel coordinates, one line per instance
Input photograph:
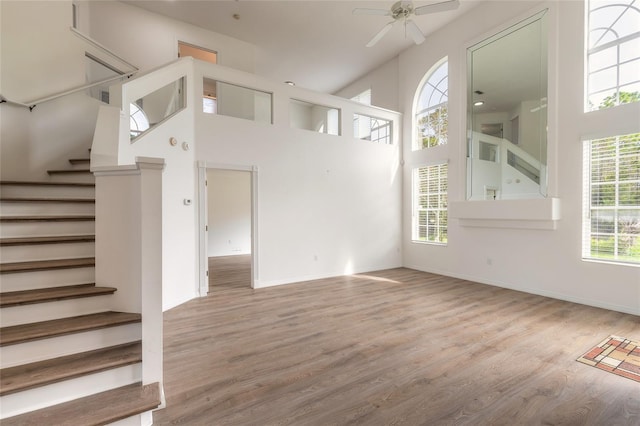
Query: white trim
(203, 166)
(551, 294)
(304, 279)
(202, 263)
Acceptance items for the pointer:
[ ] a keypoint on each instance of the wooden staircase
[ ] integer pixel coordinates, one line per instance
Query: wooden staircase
(65, 356)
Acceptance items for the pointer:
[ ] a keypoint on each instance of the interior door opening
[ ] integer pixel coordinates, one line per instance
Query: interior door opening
(229, 242)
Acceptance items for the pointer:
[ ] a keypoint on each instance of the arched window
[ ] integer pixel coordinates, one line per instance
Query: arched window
(613, 57)
(431, 118)
(138, 120)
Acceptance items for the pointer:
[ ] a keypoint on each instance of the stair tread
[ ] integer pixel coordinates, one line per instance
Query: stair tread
(99, 409)
(47, 200)
(29, 376)
(79, 160)
(41, 218)
(42, 295)
(62, 239)
(69, 171)
(40, 265)
(45, 183)
(41, 330)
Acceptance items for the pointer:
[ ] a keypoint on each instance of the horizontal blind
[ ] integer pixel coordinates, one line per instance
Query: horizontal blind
(612, 199)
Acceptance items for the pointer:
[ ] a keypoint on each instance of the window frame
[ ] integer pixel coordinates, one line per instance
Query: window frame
(588, 232)
(604, 122)
(437, 106)
(381, 132)
(416, 209)
(592, 51)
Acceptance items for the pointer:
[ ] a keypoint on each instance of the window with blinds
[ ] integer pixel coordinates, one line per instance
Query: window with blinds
(430, 204)
(612, 199)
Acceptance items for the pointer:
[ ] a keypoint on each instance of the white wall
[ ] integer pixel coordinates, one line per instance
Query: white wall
(229, 212)
(149, 40)
(542, 262)
(530, 126)
(40, 56)
(326, 205)
(492, 118)
(383, 82)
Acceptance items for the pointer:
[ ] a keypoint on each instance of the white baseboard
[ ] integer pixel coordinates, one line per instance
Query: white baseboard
(303, 278)
(551, 294)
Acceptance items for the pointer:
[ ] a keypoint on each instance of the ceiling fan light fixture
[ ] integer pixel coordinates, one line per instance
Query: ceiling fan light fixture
(478, 103)
(404, 9)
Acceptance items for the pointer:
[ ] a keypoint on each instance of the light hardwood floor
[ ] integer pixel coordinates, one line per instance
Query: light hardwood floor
(395, 347)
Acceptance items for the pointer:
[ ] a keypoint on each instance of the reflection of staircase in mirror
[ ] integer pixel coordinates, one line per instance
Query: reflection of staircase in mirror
(505, 169)
(524, 167)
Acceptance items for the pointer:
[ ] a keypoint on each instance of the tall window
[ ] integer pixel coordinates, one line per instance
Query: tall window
(613, 53)
(431, 119)
(430, 204)
(611, 225)
(612, 198)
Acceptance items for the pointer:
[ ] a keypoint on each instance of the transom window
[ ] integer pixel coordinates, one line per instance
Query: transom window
(431, 118)
(613, 53)
(430, 204)
(612, 199)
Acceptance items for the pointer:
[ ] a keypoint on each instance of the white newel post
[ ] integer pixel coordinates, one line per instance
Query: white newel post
(129, 249)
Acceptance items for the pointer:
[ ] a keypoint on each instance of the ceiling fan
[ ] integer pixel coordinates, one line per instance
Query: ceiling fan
(402, 11)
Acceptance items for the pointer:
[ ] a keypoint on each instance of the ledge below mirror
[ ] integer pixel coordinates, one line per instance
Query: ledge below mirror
(539, 213)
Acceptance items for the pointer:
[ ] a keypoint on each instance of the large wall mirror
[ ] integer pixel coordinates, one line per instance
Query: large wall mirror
(507, 113)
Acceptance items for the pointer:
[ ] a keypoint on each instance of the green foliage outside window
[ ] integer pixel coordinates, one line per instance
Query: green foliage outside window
(615, 198)
(433, 126)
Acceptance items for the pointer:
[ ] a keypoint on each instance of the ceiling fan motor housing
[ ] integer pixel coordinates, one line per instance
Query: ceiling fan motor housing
(401, 9)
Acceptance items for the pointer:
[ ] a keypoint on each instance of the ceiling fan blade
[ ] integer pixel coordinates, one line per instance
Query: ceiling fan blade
(437, 7)
(414, 32)
(365, 11)
(380, 34)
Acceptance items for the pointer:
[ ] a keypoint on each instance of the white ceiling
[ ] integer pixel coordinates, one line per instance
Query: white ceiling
(320, 45)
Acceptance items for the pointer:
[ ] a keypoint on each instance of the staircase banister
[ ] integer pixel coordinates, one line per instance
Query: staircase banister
(103, 49)
(524, 155)
(32, 104)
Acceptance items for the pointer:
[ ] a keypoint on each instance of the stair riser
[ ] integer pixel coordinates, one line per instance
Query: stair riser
(18, 208)
(46, 279)
(47, 191)
(73, 177)
(22, 314)
(41, 229)
(25, 253)
(39, 350)
(45, 396)
(79, 165)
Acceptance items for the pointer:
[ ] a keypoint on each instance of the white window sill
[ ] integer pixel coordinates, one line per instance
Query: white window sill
(539, 213)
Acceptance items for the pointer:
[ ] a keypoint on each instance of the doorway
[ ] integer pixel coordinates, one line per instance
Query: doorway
(186, 49)
(228, 215)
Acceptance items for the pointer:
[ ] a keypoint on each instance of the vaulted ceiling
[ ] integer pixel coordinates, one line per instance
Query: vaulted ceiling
(319, 45)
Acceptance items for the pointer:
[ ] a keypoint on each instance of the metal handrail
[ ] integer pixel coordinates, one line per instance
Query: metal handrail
(32, 104)
(103, 48)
